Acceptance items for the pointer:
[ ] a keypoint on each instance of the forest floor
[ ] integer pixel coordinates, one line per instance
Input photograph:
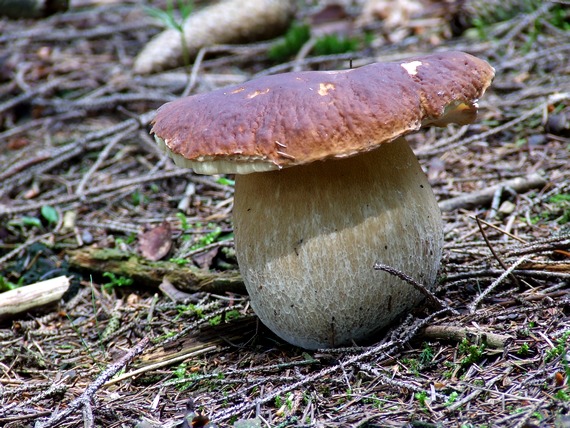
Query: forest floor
(85, 194)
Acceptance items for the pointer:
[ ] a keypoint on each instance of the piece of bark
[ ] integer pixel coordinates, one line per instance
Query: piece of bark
(485, 196)
(229, 21)
(150, 274)
(475, 335)
(39, 295)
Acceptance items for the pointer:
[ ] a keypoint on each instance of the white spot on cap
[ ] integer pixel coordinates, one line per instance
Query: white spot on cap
(324, 88)
(411, 67)
(256, 93)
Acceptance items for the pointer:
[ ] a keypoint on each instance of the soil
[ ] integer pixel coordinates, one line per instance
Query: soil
(156, 326)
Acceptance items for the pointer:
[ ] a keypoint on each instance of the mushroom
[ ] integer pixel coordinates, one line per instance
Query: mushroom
(326, 186)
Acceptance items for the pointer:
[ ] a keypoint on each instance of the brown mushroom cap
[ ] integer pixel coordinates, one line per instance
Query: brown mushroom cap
(296, 118)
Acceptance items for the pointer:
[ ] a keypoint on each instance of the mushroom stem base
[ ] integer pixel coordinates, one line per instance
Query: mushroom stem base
(307, 239)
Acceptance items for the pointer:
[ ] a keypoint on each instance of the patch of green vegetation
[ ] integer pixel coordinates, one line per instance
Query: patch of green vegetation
(214, 235)
(422, 398)
(181, 373)
(559, 349)
(412, 364)
(471, 353)
(225, 181)
(6, 285)
(25, 222)
(116, 281)
(452, 398)
(478, 382)
(561, 209)
(416, 365)
(427, 354)
(562, 395)
(560, 17)
(299, 34)
(524, 350)
(448, 374)
(294, 39)
(138, 198)
(227, 316)
(189, 309)
(163, 337)
(130, 239)
(374, 401)
(560, 198)
(50, 214)
(208, 238)
(331, 44)
(184, 223)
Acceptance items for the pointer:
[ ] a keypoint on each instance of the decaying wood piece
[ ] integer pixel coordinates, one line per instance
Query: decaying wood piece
(484, 196)
(151, 274)
(458, 333)
(32, 297)
(229, 21)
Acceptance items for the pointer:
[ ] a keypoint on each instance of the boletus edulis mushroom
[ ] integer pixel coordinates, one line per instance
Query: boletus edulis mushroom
(326, 186)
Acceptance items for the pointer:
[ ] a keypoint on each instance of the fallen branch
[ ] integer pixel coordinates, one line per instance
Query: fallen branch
(151, 274)
(485, 196)
(32, 297)
(474, 335)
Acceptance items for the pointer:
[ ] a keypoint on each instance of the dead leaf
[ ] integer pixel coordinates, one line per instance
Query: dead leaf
(155, 243)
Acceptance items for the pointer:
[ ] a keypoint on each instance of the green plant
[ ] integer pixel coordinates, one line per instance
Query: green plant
(25, 221)
(427, 354)
(451, 399)
(50, 214)
(560, 17)
(413, 365)
(184, 223)
(524, 349)
(561, 210)
(138, 198)
(6, 285)
(278, 401)
(227, 316)
(225, 181)
(208, 238)
(179, 261)
(180, 371)
(560, 348)
(422, 398)
(471, 353)
(189, 309)
(168, 18)
(331, 44)
(294, 39)
(116, 281)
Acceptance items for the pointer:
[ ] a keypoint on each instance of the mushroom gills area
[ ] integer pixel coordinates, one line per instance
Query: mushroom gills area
(307, 239)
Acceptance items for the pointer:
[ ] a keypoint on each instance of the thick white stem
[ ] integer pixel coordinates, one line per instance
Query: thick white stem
(307, 239)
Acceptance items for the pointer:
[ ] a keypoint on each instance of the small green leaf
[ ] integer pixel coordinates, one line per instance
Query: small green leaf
(225, 181)
(31, 221)
(50, 214)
